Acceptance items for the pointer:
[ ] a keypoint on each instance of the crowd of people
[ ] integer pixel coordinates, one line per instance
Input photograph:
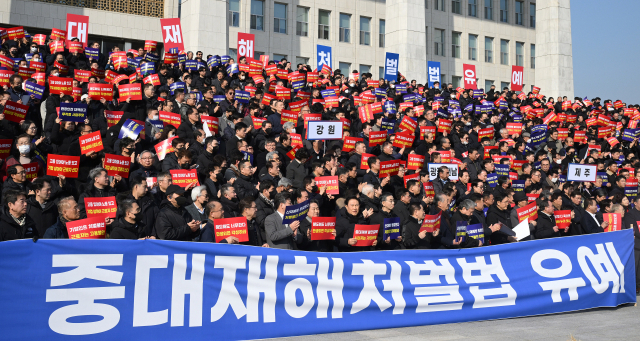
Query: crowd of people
(254, 166)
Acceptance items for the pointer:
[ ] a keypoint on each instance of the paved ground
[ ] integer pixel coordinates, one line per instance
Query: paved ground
(600, 324)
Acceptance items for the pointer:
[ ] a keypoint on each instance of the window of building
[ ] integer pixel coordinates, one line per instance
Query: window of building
(345, 68)
(504, 52)
(519, 13)
(455, 44)
(279, 57)
(532, 15)
(438, 39)
(364, 69)
(504, 85)
(426, 39)
(256, 55)
(456, 81)
(519, 53)
(345, 28)
(365, 31)
(473, 8)
(533, 56)
(302, 60)
(443, 80)
(488, 9)
(504, 10)
(488, 50)
(382, 30)
(234, 13)
(381, 69)
(456, 6)
(473, 47)
(487, 85)
(439, 5)
(257, 15)
(233, 54)
(302, 22)
(426, 3)
(323, 24)
(280, 18)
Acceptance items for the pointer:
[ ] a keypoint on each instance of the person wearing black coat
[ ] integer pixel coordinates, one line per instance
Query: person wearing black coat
(15, 223)
(401, 209)
(463, 214)
(386, 212)
(174, 222)
(122, 229)
(43, 216)
(187, 128)
(345, 226)
(546, 223)
(244, 185)
(229, 201)
(264, 205)
(148, 208)
(590, 224)
(498, 213)
(412, 238)
(98, 187)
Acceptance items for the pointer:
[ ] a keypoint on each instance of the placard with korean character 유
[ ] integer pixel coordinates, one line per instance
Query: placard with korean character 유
(584, 173)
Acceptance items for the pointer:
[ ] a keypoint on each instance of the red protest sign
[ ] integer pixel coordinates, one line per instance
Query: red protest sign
(289, 116)
(415, 161)
(163, 148)
(113, 117)
(77, 27)
(403, 140)
(82, 75)
(283, 92)
(431, 223)
(117, 165)
(15, 112)
(365, 234)
(407, 178)
(91, 143)
(469, 76)
(96, 91)
(231, 227)
(409, 124)
(132, 91)
(614, 220)
(517, 78)
(105, 207)
(63, 165)
(211, 122)
(330, 181)
(428, 189)
(444, 126)
(257, 121)
(4, 76)
(514, 128)
(90, 228)
(426, 130)
(389, 168)
(486, 132)
(245, 45)
(60, 85)
(530, 211)
(183, 177)
(75, 47)
(5, 148)
(152, 79)
(310, 117)
(365, 112)
(297, 106)
(170, 118)
(31, 170)
(15, 33)
(322, 228)
(296, 139)
(172, 34)
(563, 218)
(350, 143)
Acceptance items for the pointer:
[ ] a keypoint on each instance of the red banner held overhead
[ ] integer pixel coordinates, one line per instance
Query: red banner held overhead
(104, 207)
(90, 228)
(172, 33)
(330, 181)
(469, 76)
(517, 78)
(117, 165)
(91, 143)
(63, 165)
(183, 177)
(77, 27)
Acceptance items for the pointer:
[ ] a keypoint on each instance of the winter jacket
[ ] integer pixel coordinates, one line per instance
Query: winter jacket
(544, 226)
(57, 231)
(345, 226)
(122, 229)
(411, 238)
(43, 217)
(93, 192)
(171, 223)
(10, 229)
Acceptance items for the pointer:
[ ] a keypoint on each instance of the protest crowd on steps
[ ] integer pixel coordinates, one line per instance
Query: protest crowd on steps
(188, 146)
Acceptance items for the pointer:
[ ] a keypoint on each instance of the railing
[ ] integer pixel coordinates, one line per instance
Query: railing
(148, 8)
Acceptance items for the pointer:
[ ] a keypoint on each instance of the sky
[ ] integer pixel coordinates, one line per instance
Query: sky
(606, 49)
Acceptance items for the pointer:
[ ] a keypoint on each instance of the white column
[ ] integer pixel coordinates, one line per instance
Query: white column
(204, 26)
(405, 24)
(554, 55)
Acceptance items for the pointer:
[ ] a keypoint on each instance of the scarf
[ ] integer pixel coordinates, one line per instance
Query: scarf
(20, 220)
(269, 202)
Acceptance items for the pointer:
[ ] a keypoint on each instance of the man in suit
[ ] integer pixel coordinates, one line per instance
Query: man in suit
(281, 236)
(590, 223)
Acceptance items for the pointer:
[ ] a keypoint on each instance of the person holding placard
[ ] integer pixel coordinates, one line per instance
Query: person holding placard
(591, 224)
(68, 210)
(214, 210)
(345, 225)
(387, 204)
(305, 230)
(498, 213)
(413, 238)
(15, 223)
(173, 221)
(279, 235)
(546, 223)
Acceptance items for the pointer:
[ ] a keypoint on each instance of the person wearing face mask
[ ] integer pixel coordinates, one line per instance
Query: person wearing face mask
(552, 178)
(151, 132)
(174, 222)
(171, 160)
(140, 195)
(209, 151)
(244, 184)
(15, 91)
(129, 225)
(23, 153)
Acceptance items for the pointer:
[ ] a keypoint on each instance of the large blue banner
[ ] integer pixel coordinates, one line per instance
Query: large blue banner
(323, 56)
(433, 69)
(391, 67)
(150, 289)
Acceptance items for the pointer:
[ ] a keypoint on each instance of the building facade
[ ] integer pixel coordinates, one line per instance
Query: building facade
(491, 34)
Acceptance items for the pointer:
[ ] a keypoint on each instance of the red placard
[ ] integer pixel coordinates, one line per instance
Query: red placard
(4, 76)
(389, 168)
(117, 165)
(604, 132)
(323, 228)
(105, 207)
(63, 165)
(231, 227)
(330, 181)
(211, 122)
(113, 117)
(563, 133)
(297, 106)
(514, 128)
(530, 211)
(183, 177)
(77, 27)
(170, 118)
(98, 73)
(163, 148)
(75, 47)
(60, 85)
(403, 140)
(289, 116)
(408, 124)
(15, 112)
(282, 92)
(425, 130)
(517, 78)
(76, 93)
(90, 228)
(310, 117)
(257, 121)
(363, 160)
(5, 148)
(428, 189)
(296, 140)
(350, 143)
(15, 33)
(377, 138)
(486, 132)
(407, 178)
(31, 170)
(365, 234)
(82, 75)
(444, 126)
(431, 223)
(172, 33)
(25, 72)
(132, 91)
(152, 79)
(469, 76)
(91, 143)
(415, 161)
(563, 218)
(96, 91)
(614, 220)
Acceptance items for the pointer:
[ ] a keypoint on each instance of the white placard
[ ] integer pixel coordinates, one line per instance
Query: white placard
(584, 173)
(433, 170)
(324, 130)
(522, 230)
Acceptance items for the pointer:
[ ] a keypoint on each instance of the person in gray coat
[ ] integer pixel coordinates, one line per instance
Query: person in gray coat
(296, 171)
(200, 197)
(281, 236)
